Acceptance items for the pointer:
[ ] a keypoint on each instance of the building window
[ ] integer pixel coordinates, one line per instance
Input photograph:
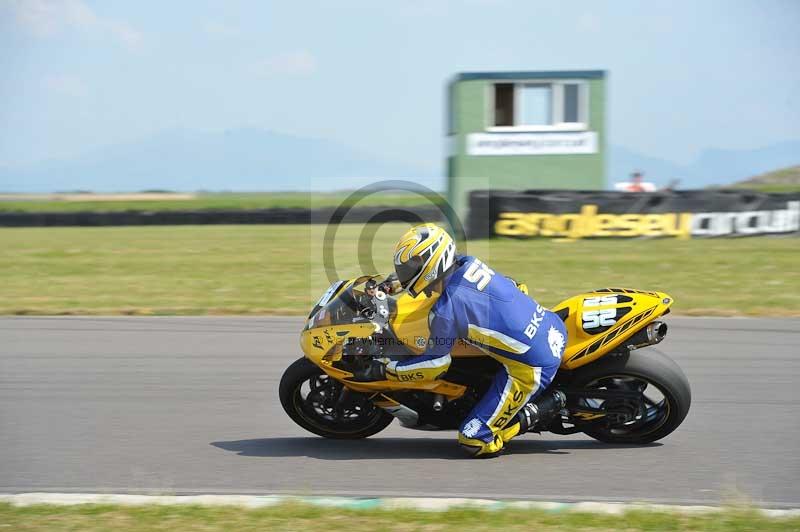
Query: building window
(535, 105)
(572, 103)
(540, 106)
(504, 104)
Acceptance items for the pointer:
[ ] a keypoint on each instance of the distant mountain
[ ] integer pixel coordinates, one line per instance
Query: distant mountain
(255, 159)
(712, 167)
(241, 159)
(622, 162)
(783, 180)
(724, 166)
(784, 176)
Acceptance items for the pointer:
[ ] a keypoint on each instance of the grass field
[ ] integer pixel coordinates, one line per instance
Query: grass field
(278, 269)
(208, 201)
(775, 188)
(256, 200)
(305, 518)
(782, 180)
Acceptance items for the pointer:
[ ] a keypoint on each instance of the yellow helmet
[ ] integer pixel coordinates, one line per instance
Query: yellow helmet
(422, 256)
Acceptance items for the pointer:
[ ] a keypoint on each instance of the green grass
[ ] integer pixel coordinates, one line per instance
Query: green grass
(278, 269)
(778, 188)
(304, 518)
(215, 201)
(782, 180)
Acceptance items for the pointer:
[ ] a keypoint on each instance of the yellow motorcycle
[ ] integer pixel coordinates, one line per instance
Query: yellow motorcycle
(617, 390)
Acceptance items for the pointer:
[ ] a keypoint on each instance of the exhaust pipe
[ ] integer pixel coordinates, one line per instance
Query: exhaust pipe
(650, 335)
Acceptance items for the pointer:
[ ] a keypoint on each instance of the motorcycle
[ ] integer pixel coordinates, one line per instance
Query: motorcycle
(618, 388)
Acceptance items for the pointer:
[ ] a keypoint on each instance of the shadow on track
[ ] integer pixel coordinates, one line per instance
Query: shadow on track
(395, 448)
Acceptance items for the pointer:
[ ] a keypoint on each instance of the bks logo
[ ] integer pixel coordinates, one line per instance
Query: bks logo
(536, 321)
(510, 410)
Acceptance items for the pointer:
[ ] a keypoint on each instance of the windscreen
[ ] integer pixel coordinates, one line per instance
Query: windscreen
(340, 310)
(339, 306)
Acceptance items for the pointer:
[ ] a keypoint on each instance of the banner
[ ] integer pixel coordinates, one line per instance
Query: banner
(681, 214)
(531, 143)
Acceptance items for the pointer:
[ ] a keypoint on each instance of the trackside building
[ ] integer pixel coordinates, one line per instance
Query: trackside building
(525, 130)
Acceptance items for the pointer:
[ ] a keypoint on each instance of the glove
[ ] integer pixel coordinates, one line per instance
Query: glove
(385, 287)
(390, 285)
(375, 371)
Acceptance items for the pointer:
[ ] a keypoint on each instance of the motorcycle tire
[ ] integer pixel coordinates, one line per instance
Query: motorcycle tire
(645, 365)
(302, 371)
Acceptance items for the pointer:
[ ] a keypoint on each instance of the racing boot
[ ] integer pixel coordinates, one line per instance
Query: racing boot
(543, 408)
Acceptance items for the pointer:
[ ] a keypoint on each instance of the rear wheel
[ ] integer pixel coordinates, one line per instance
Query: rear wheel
(657, 396)
(317, 403)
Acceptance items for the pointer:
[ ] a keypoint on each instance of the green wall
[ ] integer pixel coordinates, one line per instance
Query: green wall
(468, 114)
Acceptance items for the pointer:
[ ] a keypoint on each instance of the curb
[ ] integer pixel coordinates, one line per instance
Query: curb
(357, 503)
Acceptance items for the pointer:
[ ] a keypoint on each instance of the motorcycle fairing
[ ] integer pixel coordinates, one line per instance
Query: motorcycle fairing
(336, 320)
(600, 321)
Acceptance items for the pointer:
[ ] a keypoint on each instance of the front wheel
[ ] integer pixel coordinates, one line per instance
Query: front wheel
(657, 396)
(317, 403)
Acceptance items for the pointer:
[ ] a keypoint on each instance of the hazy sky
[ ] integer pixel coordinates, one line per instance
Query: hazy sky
(683, 75)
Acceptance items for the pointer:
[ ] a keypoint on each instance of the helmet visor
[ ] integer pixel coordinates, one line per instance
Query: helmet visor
(408, 271)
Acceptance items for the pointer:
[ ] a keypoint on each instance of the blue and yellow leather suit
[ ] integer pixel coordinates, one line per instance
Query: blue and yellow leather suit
(488, 310)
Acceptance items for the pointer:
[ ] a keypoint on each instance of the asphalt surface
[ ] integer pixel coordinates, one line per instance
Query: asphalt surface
(189, 405)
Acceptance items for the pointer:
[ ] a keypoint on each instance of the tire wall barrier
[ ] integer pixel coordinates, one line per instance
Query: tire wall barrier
(588, 214)
(208, 217)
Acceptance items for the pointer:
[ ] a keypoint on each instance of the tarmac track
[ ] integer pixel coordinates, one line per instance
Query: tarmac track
(189, 405)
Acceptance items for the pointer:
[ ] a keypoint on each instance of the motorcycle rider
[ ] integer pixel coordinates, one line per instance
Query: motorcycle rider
(477, 305)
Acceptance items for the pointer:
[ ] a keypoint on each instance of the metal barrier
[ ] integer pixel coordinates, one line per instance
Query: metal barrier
(208, 217)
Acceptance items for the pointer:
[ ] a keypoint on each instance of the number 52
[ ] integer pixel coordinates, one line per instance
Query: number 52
(599, 318)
